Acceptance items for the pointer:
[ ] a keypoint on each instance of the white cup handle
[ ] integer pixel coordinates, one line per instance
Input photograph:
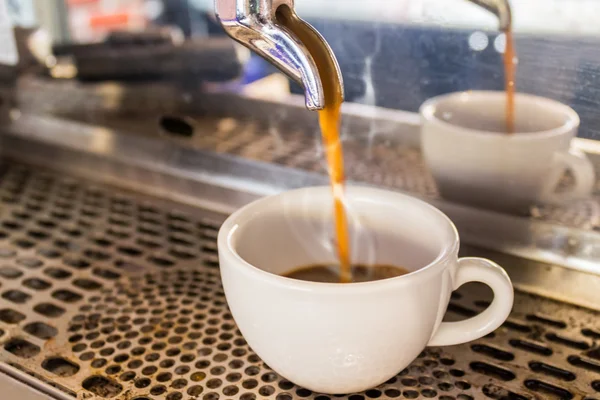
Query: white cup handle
(491, 274)
(583, 171)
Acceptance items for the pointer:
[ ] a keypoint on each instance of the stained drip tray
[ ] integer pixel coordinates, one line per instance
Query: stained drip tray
(112, 294)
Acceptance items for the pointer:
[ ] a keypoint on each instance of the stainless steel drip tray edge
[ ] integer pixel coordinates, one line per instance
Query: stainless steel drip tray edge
(544, 279)
(223, 183)
(16, 384)
(153, 166)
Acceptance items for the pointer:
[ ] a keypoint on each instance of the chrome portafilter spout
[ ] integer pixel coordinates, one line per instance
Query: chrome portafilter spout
(272, 29)
(501, 9)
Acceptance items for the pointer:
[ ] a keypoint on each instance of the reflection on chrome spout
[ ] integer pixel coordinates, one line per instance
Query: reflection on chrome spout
(297, 52)
(500, 8)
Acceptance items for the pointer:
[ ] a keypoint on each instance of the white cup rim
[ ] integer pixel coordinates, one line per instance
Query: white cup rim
(229, 254)
(428, 113)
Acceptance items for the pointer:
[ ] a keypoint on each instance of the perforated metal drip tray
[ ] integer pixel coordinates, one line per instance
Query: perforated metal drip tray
(107, 294)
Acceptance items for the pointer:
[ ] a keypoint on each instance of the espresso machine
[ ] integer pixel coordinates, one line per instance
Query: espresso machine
(116, 176)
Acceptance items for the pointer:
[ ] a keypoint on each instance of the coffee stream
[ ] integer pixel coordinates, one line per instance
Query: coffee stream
(329, 120)
(509, 80)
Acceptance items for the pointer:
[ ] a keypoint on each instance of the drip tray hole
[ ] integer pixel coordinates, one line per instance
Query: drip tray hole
(61, 367)
(102, 386)
(22, 348)
(178, 126)
(40, 330)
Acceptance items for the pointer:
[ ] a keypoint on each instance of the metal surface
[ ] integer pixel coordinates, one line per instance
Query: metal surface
(204, 178)
(106, 293)
(223, 183)
(381, 146)
(254, 24)
(500, 8)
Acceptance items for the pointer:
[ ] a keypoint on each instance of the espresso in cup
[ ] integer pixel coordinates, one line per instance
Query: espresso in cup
(331, 273)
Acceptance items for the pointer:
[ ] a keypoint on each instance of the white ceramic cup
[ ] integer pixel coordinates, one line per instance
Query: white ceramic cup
(343, 338)
(473, 159)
